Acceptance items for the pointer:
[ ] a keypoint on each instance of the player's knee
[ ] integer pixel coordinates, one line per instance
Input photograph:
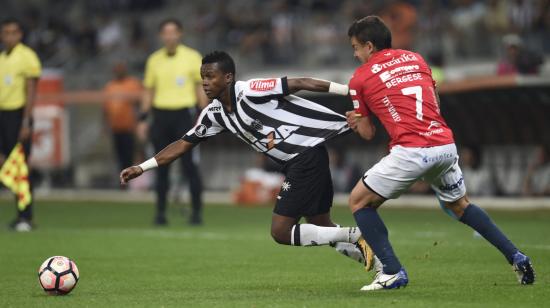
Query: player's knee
(458, 206)
(281, 236)
(356, 203)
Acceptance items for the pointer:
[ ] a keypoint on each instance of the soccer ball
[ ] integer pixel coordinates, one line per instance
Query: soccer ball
(58, 275)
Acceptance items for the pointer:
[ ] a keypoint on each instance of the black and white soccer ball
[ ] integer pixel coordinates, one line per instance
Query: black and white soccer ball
(58, 275)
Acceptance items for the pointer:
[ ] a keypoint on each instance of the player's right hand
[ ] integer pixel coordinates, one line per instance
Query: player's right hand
(130, 173)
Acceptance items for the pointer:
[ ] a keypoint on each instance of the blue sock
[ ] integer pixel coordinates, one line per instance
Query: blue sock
(375, 233)
(478, 219)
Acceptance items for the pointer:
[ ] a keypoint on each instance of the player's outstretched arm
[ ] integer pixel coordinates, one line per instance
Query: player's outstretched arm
(164, 157)
(316, 85)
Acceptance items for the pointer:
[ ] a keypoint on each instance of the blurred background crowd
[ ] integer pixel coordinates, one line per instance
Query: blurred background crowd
(504, 147)
(79, 35)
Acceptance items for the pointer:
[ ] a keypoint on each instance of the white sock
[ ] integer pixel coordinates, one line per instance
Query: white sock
(350, 250)
(312, 235)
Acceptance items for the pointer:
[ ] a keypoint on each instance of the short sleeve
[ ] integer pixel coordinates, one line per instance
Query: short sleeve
(356, 93)
(207, 125)
(149, 78)
(266, 87)
(33, 68)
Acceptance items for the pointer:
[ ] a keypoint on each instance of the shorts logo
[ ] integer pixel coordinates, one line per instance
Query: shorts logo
(263, 84)
(454, 186)
(376, 68)
(286, 186)
(200, 131)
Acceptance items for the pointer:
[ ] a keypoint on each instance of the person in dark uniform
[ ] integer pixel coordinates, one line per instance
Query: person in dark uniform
(20, 69)
(172, 91)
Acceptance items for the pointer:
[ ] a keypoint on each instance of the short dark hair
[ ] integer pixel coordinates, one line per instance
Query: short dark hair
(11, 20)
(373, 29)
(223, 59)
(173, 21)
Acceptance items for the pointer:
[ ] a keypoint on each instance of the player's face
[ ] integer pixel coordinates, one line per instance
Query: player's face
(214, 81)
(170, 35)
(361, 51)
(11, 35)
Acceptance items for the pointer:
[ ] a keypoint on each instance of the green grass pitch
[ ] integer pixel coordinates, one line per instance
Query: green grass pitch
(232, 261)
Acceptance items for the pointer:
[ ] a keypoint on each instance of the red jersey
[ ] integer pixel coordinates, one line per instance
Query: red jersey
(397, 86)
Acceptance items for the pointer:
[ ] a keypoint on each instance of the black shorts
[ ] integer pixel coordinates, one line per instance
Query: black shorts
(10, 126)
(307, 189)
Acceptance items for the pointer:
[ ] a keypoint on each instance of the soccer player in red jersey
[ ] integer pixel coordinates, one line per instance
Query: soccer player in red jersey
(397, 87)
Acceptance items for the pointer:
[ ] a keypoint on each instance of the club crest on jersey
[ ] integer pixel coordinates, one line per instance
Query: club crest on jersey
(257, 125)
(200, 131)
(376, 68)
(263, 84)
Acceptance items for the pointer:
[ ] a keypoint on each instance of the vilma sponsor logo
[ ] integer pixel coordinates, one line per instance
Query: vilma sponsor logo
(263, 84)
(200, 131)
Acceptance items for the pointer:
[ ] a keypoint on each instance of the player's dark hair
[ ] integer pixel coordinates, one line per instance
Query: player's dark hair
(373, 29)
(223, 59)
(168, 21)
(11, 20)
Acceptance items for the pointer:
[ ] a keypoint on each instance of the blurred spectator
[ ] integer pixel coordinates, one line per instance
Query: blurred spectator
(324, 37)
(517, 58)
(537, 178)
(109, 33)
(400, 17)
(522, 15)
(344, 173)
(466, 21)
(480, 180)
(542, 25)
(432, 21)
(496, 18)
(120, 107)
(282, 38)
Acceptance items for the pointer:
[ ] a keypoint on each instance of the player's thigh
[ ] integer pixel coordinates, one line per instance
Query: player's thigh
(393, 174)
(361, 196)
(281, 228)
(307, 188)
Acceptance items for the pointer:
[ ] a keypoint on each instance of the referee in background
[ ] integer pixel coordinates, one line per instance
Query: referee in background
(173, 87)
(20, 69)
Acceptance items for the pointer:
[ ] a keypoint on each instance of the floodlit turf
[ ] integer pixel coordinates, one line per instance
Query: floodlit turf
(232, 261)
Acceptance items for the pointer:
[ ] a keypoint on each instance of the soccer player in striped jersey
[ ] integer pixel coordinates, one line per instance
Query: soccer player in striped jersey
(288, 129)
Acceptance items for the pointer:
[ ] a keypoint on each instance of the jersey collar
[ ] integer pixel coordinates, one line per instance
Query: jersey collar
(13, 50)
(378, 54)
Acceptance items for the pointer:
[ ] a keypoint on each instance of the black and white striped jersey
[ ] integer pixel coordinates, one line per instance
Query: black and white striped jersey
(269, 119)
